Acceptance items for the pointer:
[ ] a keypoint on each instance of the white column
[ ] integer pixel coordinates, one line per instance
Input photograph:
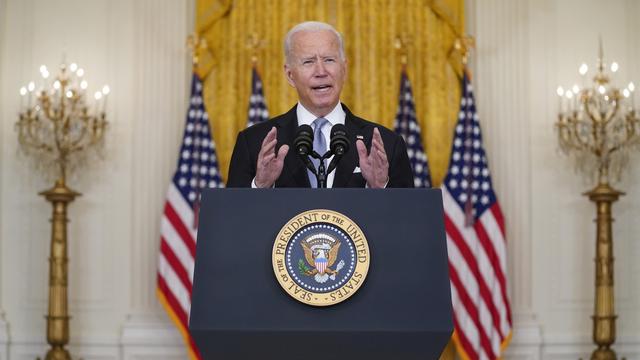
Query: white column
(4, 331)
(500, 75)
(162, 83)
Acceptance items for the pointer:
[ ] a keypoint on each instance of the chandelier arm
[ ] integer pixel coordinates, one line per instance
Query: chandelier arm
(31, 140)
(565, 133)
(76, 145)
(580, 143)
(611, 114)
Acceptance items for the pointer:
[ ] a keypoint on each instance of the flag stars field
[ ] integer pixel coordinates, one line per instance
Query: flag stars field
(407, 126)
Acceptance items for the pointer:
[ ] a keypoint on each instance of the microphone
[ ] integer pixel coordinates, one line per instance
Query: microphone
(339, 145)
(303, 144)
(303, 141)
(339, 140)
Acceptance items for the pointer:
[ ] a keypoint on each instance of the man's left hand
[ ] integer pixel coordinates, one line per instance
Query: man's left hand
(374, 166)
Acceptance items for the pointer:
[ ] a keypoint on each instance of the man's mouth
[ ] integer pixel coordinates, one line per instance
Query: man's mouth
(321, 88)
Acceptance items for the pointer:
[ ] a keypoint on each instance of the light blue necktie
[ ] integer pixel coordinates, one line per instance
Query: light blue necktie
(319, 146)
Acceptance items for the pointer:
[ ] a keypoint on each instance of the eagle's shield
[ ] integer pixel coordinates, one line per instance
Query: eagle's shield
(321, 264)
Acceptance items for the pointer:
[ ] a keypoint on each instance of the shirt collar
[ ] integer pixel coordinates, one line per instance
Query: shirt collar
(305, 117)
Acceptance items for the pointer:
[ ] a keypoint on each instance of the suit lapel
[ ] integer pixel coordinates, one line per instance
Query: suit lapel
(355, 128)
(294, 173)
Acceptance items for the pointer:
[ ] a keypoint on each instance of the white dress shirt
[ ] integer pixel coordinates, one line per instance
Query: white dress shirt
(336, 116)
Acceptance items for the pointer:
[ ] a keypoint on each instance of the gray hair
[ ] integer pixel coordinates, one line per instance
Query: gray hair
(310, 26)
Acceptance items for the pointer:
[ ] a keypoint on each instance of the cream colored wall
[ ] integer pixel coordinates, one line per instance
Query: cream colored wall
(525, 49)
(4, 335)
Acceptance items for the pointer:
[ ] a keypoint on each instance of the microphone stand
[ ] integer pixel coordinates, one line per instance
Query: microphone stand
(321, 174)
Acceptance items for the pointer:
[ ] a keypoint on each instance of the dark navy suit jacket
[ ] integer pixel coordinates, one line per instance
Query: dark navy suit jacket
(242, 170)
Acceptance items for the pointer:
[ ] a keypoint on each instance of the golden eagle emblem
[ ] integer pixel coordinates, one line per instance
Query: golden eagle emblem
(320, 252)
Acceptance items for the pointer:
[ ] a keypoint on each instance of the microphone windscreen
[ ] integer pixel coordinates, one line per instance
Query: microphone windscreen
(339, 139)
(303, 141)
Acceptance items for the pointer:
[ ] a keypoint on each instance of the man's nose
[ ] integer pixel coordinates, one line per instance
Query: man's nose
(320, 70)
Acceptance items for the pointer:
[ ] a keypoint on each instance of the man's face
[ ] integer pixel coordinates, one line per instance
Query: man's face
(316, 70)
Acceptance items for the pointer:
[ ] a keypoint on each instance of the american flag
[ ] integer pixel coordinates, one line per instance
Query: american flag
(476, 242)
(257, 105)
(197, 169)
(407, 126)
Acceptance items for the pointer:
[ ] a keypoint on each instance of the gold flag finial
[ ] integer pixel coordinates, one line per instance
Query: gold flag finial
(402, 43)
(464, 45)
(254, 44)
(196, 44)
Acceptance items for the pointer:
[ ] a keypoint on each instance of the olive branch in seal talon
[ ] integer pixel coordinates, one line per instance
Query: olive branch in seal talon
(305, 270)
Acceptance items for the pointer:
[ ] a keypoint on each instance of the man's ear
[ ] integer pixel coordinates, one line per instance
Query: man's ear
(288, 73)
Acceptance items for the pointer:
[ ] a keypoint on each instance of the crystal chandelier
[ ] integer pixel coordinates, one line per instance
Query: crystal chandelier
(56, 126)
(598, 124)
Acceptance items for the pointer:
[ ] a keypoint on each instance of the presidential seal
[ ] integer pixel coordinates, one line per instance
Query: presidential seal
(320, 257)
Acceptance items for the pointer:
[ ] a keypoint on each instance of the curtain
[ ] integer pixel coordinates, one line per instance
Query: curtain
(371, 90)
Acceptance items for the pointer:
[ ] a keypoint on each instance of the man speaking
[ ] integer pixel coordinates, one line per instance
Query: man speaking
(316, 67)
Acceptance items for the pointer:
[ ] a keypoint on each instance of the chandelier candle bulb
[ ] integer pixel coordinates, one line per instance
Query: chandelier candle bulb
(23, 93)
(614, 67)
(560, 92)
(570, 101)
(105, 92)
(583, 69)
(30, 89)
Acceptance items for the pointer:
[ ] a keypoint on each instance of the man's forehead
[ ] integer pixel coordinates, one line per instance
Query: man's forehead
(313, 38)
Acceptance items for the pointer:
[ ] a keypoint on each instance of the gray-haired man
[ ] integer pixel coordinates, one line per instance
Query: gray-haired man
(316, 66)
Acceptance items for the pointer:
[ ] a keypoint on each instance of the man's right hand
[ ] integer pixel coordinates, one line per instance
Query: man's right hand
(270, 164)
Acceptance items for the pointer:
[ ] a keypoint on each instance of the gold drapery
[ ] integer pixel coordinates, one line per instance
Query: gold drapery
(371, 90)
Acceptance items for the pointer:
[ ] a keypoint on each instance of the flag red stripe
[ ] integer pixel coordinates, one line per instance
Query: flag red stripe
(472, 263)
(173, 302)
(175, 264)
(180, 228)
(497, 214)
(472, 310)
(464, 341)
(495, 265)
(177, 315)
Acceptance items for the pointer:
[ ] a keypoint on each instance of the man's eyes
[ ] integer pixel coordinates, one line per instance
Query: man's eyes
(313, 61)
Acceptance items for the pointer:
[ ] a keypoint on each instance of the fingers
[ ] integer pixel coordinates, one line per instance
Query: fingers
(270, 164)
(270, 136)
(377, 142)
(378, 153)
(267, 158)
(268, 144)
(362, 150)
(282, 152)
